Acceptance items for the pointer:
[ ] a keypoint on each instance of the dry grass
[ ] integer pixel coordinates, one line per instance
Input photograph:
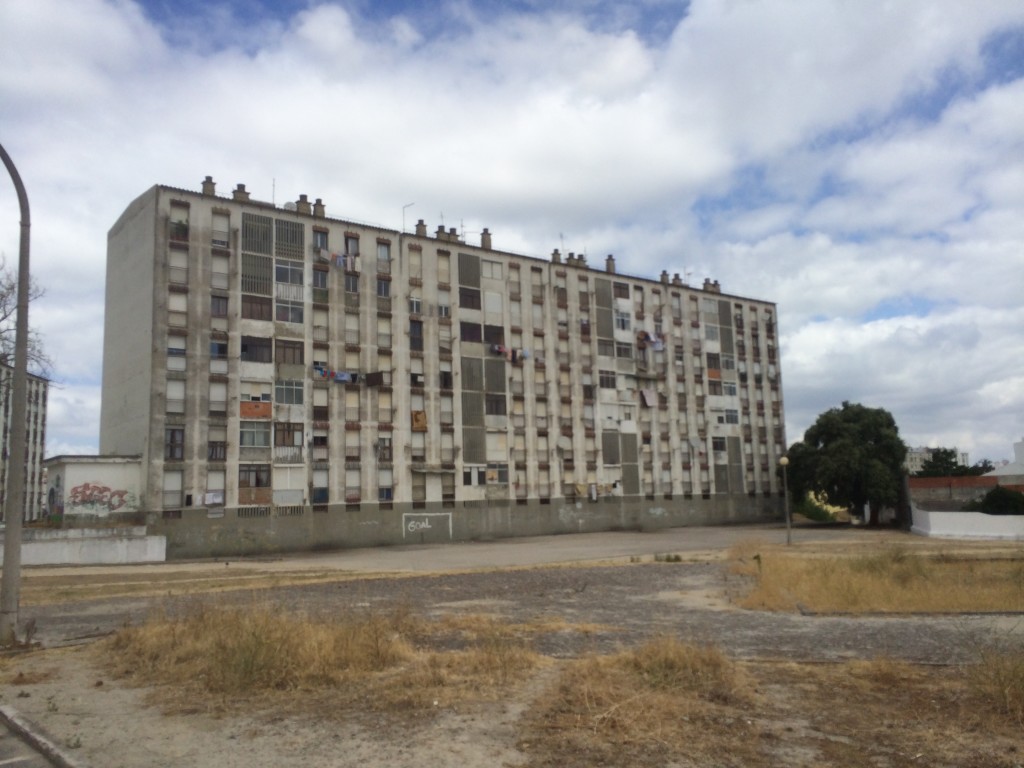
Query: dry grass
(216, 657)
(640, 706)
(892, 579)
(998, 681)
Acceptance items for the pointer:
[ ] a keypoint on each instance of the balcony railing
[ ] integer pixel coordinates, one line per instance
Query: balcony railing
(289, 291)
(288, 454)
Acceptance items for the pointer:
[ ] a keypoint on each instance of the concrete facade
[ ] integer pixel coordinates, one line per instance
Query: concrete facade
(35, 440)
(277, 370)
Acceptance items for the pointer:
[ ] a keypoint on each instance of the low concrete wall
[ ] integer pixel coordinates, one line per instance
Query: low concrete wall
(90, 546)
(967, 525)
(220, 533)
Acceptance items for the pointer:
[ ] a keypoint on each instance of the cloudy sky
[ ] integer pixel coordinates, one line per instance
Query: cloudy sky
(859, 163)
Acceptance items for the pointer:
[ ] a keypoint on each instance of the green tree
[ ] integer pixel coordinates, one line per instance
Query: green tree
(942, 463)
(854, 455)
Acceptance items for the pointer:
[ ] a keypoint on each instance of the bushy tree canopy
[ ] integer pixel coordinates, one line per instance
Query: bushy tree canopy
(944, 463)
(852, 454)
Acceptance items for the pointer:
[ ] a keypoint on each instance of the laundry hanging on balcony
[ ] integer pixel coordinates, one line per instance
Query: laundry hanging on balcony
(643, 338)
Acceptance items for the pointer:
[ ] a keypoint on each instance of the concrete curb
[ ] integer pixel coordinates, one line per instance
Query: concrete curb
(30, 733)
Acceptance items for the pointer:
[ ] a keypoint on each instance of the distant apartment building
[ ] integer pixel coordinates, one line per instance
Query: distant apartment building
(35, 440)
(274, 362)
(916, 457)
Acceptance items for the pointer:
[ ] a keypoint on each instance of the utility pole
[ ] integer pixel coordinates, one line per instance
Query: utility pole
(14, 507)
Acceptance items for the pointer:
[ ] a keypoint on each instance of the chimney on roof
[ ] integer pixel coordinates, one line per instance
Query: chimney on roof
(209, 187)
(302, 205)
(239, 194)
(676, 279)
(421, 228)
(319, 209)
(441, 234)
(485, 239)
(664, 276)
(453, 234)
(712, 286)
(609, 264)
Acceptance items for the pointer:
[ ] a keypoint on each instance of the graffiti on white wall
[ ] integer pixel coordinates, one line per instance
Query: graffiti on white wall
(101, 499)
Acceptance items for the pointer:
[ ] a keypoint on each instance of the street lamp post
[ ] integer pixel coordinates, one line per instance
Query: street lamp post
(784, 463)
(10, 586)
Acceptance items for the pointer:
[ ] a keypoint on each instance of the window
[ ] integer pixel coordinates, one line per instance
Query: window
(383, 288)
(621, 320)
(289, 352)
(256, 307)
(383, 251)
(288, 311)
(218, 350)
(474, 476)
(287, 434)
(606, 347)
(728, 387)
(718, 444)
(254, 434)
(624, 351)
(174, 444)
(351, 283)
(415, 305)
(494, 405)
(490, 269)
(319, 239)
(714, 387)
(678, 354)
(470, 332)
(286, 271)
(384, 449)
(714, 361)
(728, 362)
(255, 391)
(416, 335)
(289, 392)
(320, 278)
(469, 298)
(497, 474)
(253, 475)
(445, 379)
(620, 290)
(351, 245)
(711, 332)
(218, 306)
(606, 379)
(256, 349)
(494, 334)
(732, 416)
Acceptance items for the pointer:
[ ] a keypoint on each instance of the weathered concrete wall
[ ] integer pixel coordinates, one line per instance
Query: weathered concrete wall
(203, 533)
(90, 546)
(950, 488)
(967, 525)
(82, 488)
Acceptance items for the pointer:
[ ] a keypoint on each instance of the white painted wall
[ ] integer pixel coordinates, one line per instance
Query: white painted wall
(967, 525)
(96, 489)
(91, 546)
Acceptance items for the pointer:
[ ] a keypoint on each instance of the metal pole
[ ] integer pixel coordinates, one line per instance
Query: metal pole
(784, 461)
(14, 505)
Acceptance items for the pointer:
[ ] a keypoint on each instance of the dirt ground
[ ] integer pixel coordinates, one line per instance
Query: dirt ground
(823, 690)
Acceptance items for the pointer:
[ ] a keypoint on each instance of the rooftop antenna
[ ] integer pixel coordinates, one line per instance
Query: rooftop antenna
(686, 275)
(407, 205)
(273, 191)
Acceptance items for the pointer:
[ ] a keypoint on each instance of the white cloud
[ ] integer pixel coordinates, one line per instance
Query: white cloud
(549, 123)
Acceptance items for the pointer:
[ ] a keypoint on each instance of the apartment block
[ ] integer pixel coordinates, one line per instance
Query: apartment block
(273, 362)
(35, 440)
